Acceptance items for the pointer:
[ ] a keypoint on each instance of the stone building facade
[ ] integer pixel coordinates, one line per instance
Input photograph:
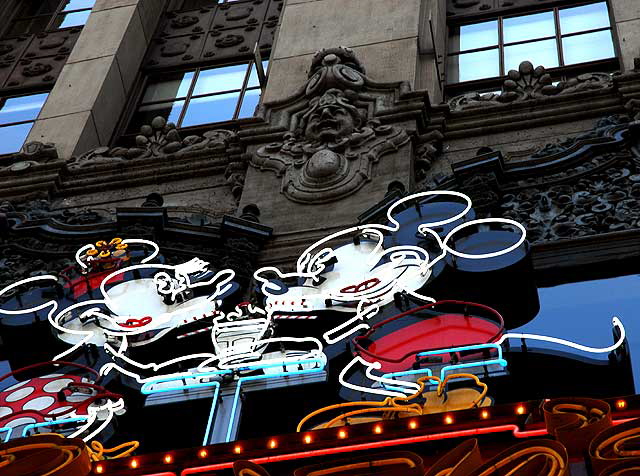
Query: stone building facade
(538, 127)
(334, 108)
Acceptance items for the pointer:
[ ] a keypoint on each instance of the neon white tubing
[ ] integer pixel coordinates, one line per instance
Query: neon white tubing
(485, 255)
(594, 350)
(358, 388)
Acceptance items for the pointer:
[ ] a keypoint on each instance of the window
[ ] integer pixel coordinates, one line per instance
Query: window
(17, 115)
(551, 38)
(200, 96)
(36, 16)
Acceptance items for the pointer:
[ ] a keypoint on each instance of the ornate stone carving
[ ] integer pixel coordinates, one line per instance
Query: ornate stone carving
(30, 60)
(219, 31)
(427, 149)
(228, 41)
(36, 69)
(467, 7)
(159, 139)
(581, 186)
(530, 83)
(334, 142)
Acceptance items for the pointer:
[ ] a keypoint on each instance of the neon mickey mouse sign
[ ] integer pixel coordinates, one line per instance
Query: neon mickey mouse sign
(140, 304)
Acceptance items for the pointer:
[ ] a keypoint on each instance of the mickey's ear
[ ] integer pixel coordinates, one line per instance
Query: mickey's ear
(247, 468)
(273, 287)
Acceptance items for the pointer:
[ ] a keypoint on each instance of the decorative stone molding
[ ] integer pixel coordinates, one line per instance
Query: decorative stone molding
(427, 149)
(36, 240)
(216, 32)
(158, 139)
(582, 186)
(34, 60)
(530, 83)
(334, 139)
(464, 8)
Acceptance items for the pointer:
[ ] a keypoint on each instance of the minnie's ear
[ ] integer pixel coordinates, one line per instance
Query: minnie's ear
(247, 468)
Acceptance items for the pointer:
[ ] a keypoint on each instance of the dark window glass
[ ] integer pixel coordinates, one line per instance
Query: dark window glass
(200, 97)
(43, 15)
(552, 38)
(17, 115)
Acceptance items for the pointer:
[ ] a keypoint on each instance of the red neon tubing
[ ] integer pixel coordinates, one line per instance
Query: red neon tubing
(52, 362)
(360, 349)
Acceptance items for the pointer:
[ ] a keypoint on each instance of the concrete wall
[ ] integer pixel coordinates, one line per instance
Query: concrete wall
(83, 108)
(627, 18)
(383, 33)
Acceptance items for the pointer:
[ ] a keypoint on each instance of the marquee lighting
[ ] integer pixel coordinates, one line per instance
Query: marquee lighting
(430, 431)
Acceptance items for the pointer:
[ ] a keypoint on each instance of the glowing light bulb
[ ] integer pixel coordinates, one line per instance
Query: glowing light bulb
(273, 444)
(413, 424)
(377, 429)
(484, 414)
(203, 453)
(342, 434)
(168, 459)
(237, 449)
(520, 410)
(621, 404)
(134, 463)
(308, 439)
(448, 419)
(99, 469)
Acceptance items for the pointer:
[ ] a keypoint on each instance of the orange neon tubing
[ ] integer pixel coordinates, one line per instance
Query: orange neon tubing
(364, 464)
(392, 403)
(617, 440)
(557, 464)
(97, 451)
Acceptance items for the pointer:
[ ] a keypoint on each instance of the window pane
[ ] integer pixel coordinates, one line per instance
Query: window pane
(540, 53)
(587, 17)
(220, 79)
(478, 35)
(249, 103)
(145, 114)
(24, 108)
(588, 47)
(253, 77)
(529, 27)
(174, 88)
(68, 20)
(469, 66)
(12, 137)
(77, 5)
(210, 109)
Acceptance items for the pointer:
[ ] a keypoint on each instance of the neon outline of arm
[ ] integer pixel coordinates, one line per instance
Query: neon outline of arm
(358, 388)
(594, 350)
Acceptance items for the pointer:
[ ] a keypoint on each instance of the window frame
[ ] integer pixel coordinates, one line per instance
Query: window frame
(561, 72)
(52, 19)
(126, 136)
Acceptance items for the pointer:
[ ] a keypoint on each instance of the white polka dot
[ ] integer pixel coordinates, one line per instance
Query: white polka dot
(18, 385)
(60, 410)
(20, 394)
(20, 422)
(39, 403)
(57, 385)
(4, 411)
